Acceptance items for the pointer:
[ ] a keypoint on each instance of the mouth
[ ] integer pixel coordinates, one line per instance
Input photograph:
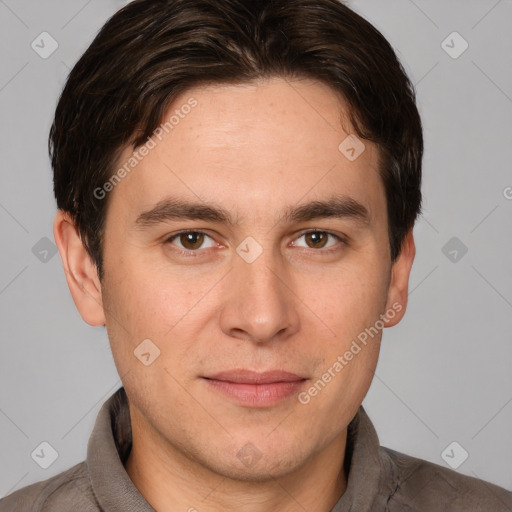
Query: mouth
(256, 389)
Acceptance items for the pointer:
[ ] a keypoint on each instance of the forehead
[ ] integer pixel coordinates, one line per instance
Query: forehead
(255, 148)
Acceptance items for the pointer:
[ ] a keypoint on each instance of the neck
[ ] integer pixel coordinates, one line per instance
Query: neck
(169, 480)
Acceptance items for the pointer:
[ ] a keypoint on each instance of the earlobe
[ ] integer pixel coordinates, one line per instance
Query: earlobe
(81, 273)
(399, 285)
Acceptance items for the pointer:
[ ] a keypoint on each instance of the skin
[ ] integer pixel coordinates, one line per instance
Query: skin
(253, 149)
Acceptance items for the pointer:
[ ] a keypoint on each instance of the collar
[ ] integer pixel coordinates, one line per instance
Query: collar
(108, 448)
(110, 444)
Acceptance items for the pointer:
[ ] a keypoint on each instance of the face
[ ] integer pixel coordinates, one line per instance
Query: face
(255, 314)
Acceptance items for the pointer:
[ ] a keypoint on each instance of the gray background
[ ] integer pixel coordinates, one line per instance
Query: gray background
(445, 372)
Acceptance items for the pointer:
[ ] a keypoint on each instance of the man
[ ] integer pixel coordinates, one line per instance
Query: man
(237, 183)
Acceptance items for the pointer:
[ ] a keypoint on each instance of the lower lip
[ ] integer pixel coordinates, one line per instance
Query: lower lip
(257, 395)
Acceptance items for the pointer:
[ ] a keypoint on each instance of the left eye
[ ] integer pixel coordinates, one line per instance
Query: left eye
(317, 239)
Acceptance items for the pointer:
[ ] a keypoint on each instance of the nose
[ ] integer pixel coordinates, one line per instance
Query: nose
(260, 304)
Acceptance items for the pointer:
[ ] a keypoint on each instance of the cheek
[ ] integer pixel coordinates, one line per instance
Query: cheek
(352, 308)
(166, 306)
(347, 299)
(146, 299)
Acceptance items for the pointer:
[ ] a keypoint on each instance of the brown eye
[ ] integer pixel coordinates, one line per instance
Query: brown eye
(316, 239)
(191, 240)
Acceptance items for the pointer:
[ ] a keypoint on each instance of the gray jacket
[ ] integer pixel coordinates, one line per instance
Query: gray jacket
(379, 479)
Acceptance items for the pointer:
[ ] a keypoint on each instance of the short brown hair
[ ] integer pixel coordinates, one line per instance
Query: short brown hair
(152, 50)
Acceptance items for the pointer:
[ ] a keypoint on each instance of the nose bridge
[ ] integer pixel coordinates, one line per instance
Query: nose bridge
(260, 305)
(261, 277)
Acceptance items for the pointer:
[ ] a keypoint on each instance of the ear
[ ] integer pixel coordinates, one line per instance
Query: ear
(81, 273)
(398, 290)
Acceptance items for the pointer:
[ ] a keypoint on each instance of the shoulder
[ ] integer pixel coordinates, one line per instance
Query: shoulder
(423, 485)
(69, 490)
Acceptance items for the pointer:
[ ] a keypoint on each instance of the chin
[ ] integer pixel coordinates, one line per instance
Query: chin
(251, 464)
(263, 471)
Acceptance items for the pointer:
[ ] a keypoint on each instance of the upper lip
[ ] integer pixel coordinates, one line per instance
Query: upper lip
(241, 376)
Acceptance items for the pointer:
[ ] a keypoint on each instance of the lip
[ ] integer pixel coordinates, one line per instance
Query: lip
(256, 389)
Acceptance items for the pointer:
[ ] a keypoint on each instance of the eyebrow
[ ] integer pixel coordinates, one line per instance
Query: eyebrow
(342, 207)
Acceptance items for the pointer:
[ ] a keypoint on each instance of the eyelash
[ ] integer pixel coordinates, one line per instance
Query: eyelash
(195, 253)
